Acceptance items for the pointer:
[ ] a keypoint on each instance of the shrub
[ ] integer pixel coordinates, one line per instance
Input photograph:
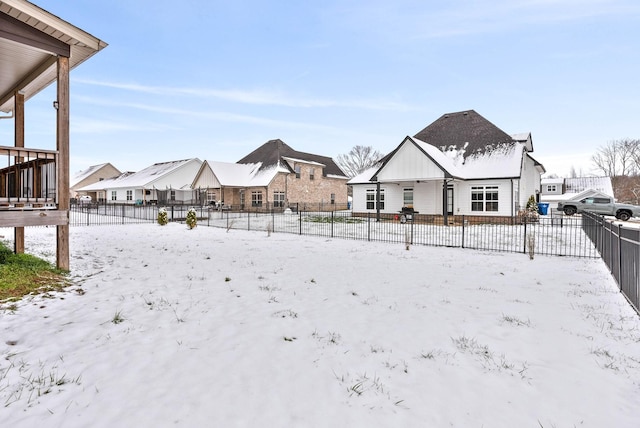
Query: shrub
(531, 212)
(5, 253)
(163, 218)
(192, 219)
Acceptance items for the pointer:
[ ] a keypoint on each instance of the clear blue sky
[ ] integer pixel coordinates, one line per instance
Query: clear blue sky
(216, 79)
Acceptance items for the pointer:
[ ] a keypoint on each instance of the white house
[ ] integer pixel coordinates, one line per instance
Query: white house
(461, 164)
(162, 183)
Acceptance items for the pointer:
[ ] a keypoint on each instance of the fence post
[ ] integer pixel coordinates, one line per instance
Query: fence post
(413, 219)
(299, 220)
(332, 219)
(463, 222)
(368, 226)
(524, 243)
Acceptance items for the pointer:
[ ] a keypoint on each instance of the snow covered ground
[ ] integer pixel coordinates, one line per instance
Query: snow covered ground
(166, 326)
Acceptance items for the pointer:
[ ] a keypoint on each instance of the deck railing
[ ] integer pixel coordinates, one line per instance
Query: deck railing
(27, 178)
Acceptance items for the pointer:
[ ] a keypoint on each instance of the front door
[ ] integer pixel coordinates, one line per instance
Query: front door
(449, 199)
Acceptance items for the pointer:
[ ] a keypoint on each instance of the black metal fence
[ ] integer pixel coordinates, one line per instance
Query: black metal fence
(563, 236)
(619, 247)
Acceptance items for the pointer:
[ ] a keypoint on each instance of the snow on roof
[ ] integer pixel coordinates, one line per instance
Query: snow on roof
(502, 161)
(579, 184)
(365, 176)
(233, 174)
(143, 178)
(106, 183)
(264, 176)
(245, 175)
(544, 181)
(447, 160)
(81, 175)
(290, 159)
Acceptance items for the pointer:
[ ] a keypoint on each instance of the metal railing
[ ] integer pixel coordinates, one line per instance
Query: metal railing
(563, 236)
(619, 247)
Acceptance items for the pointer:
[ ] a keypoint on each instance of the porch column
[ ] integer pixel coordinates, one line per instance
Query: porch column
(445, 214)
(18, 232)
(378, 201)
(62, 144)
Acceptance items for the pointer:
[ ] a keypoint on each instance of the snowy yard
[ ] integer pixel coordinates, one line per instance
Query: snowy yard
(166, 326)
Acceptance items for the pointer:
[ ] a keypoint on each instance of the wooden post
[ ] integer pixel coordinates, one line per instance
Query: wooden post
(18, 232)
(62, 143)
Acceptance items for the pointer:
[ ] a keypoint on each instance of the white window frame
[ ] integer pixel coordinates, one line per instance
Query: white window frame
(407, 197)
(371, 199)
(485, 199)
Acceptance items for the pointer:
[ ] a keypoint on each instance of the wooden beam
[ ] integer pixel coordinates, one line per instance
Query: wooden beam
(18, 232)
(62, 143)
(23, 219)
(18, 31)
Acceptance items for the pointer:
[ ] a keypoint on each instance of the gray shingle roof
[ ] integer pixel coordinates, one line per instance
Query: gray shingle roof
(464, 130)
(273, 151)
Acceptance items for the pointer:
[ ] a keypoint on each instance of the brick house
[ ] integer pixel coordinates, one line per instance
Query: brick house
(275, 175)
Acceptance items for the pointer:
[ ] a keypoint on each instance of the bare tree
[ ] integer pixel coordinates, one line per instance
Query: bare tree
(358, 159)
(618, 158)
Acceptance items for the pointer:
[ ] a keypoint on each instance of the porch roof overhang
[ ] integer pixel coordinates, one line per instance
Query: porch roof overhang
(31, 39)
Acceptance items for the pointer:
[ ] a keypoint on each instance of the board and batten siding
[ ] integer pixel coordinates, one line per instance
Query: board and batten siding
(427, 196)
(463, 197)
(409, 164)
(207, 179)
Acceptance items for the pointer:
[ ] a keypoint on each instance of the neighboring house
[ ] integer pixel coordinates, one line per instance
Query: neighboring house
(38, 49)
(461, 164)
(91, 175)
(160, 183)
(554, 190)
(274, 175)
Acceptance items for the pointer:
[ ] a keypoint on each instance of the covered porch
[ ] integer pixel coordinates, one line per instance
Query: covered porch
(37, 49)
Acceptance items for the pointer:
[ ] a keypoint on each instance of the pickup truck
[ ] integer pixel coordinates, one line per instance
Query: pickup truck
(602, 206)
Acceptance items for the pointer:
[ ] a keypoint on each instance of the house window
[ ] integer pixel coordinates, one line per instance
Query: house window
(297, 170)
(129, 195)
(371, 199)
(551, 188)
(256, 198)
(312, 173)
(278, 199)
(484, 198)
(333, 198)
(211, 197)
(114, 195)
(173, 195)
(407, 197)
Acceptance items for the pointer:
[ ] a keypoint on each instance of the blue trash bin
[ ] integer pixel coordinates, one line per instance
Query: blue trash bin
(543, 208)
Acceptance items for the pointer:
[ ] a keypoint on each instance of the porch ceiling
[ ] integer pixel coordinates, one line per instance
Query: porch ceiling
(30, 41)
